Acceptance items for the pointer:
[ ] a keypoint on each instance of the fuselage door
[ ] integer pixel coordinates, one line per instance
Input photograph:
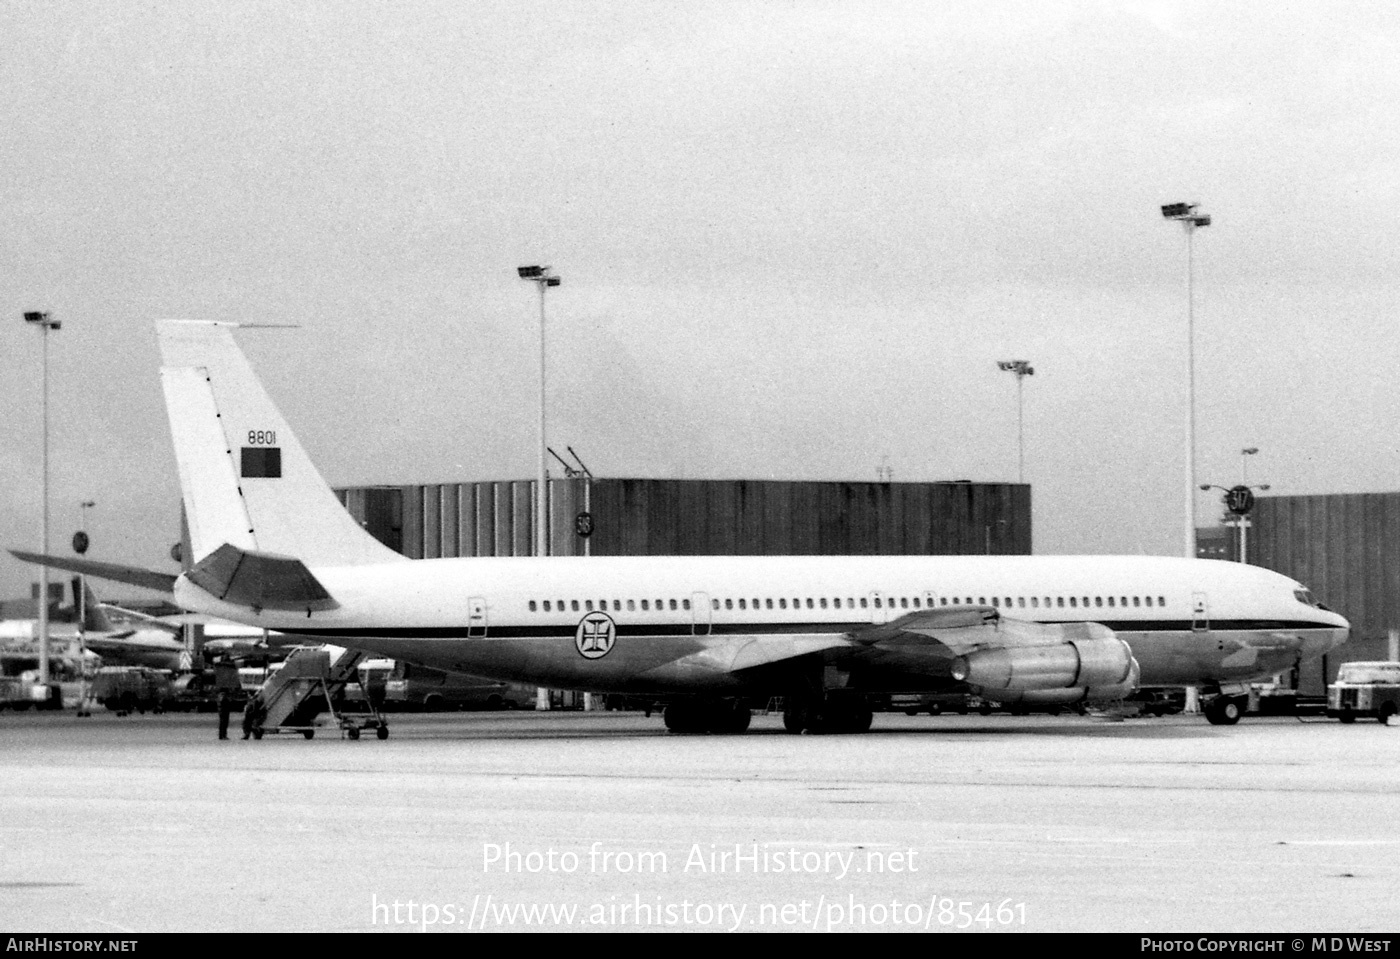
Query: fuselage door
(879, 611)
(476, 616)
(1200, 612)
(700, 614)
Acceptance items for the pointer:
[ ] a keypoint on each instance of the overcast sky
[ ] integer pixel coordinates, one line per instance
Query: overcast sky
(795, 239)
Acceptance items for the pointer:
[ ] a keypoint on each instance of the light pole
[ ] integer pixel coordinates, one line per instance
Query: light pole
(44, 322)
(541, 277)
(1186, 215)
(1239, 500)
(1022, 369)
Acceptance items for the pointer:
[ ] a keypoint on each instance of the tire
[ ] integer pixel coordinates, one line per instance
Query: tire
(794, 720)
(1224, 711)
(353, 732)
(1347, 718)
(257, 734)
(308, 733)
(382, 732)
(1384, 713)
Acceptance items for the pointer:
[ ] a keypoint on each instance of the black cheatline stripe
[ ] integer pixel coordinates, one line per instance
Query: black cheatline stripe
(552, 630)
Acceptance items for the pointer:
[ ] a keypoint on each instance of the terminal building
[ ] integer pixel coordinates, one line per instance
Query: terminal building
(656, 517)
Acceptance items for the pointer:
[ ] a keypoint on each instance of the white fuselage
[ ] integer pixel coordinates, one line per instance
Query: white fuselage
(1187, 621)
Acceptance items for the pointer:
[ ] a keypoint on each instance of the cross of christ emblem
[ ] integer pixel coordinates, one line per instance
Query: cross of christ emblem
(595, 635)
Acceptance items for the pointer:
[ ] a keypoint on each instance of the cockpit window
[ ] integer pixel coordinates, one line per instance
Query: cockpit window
(1305, 597)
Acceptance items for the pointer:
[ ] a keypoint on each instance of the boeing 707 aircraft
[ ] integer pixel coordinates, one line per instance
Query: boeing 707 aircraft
(274, 548)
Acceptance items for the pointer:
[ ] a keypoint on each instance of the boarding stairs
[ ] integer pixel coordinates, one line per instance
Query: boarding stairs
(308, 683)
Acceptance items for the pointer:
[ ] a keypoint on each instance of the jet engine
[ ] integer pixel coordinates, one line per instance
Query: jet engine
(1085, 669)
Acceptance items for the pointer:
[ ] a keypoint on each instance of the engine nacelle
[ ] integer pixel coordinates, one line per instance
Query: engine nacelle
(1099, 667)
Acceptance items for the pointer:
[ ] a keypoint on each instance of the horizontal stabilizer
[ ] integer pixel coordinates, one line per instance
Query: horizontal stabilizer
(259, 581)
(132, 575)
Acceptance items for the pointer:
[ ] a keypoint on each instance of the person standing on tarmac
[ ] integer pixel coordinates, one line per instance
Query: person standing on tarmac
(252, 715)
(225, 710)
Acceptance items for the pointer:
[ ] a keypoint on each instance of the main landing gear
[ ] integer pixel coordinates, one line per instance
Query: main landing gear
(828, 715)
(722, 716)
(1225, 710)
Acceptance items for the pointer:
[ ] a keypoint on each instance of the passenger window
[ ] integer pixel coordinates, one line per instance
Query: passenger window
(1035, 602)
(996, 601)
(1161, 600)
(823, 602)
(768, 603)
(729, 604)
(1021, 602)
(1060, 601)
(1073, 601)
(863, 602)
(646, 606)
(837, 602)
(782, 603)
(743, 604)
(573, 604)
(1098, 601)
(673, 604)
(685, 604)
(904, 602)
(546, 606)
(714, 604)
(1110, 600)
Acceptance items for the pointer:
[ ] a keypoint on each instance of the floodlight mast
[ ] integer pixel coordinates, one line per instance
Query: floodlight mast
(540, 276)
(1022, 369)
(44, 322)
(1186, 215)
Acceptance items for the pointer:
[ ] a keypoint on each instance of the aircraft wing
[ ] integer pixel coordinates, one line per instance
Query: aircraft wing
(967, 629)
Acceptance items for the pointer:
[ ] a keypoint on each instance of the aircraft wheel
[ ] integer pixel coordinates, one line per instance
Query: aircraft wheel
(1347, 718)
(730, 718)
(308, 733)
(382, 732)
(1385, 713)
(794, 719)
(353, 732)
(1224, 711)
(683, 718)
(257, 734)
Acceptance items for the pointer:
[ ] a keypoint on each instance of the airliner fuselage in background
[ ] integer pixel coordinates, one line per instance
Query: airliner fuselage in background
(275, 549)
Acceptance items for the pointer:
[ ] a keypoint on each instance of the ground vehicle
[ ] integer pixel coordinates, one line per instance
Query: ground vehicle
(123, 689)
(411, 686)
(1365, 689)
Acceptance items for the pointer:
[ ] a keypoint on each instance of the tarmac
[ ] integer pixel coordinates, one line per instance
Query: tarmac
(603, 821)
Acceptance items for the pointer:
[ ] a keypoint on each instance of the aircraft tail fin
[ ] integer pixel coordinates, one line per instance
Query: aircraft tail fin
(94, 616)
(244, 477)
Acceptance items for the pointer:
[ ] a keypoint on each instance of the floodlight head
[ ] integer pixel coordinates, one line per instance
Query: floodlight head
(1206, 487)
(42, 319)
(530, 272)
(552, 281)
(1250, 450)
(1202, 220)
(1177, 211)
(1263, 487)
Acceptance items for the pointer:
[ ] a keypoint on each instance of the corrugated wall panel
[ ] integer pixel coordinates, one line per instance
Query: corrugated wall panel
(432, 522)
(466, 519)
(485, 519)
(515, 502)
(448, 521)
(413, 522)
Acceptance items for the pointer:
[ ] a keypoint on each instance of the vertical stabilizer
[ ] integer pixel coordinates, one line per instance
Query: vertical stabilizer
(245, 479)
